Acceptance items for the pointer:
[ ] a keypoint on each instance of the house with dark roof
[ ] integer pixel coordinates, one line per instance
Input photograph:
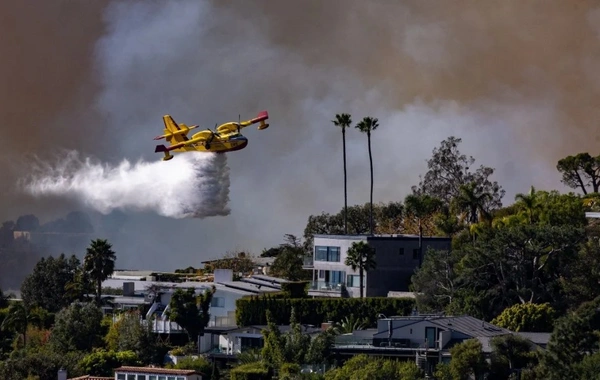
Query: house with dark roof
(427, 339)
(226, 343)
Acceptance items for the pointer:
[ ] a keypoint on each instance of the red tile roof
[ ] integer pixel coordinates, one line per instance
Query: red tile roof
(158, 371)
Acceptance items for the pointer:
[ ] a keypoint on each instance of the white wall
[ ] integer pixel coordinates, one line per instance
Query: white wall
(414, 331)
(186, 377)
(368, 333)
(344, 244)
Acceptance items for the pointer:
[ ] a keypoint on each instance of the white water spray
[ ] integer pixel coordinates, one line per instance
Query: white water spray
(191, 185)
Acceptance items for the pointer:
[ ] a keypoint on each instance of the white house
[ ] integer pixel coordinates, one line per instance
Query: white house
(152, 373)
(396, 256)
(154, 296)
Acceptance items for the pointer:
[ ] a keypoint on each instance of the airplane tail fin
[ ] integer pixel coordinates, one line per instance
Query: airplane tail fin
(261, 117)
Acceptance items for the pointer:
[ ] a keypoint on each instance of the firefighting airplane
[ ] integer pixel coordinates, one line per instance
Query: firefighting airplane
(225, 138)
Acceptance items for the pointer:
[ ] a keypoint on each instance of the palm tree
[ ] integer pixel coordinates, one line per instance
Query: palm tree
(472, 201)
(349, 324)
(367, 125)
(17, 320)
(529, 202)
(421, 206)
(344, 121)
(361, 256)
(99, 263)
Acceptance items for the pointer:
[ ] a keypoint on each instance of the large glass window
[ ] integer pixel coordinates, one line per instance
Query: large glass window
(337, 277)
(327, 254)
(121, 376)
(217, 302)
(353, 281)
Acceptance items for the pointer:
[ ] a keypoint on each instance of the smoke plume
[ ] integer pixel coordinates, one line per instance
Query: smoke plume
(196, 185)
(518, 81)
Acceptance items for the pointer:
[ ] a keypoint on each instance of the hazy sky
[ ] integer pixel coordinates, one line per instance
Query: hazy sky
(518, 82)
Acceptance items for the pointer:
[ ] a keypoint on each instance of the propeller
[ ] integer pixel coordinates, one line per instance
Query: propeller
(239, 122)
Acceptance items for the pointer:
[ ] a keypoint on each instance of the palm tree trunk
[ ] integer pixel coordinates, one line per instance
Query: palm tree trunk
(99, 291)
(371, 200)
(420, 243)
(345, 181)
(360, 273)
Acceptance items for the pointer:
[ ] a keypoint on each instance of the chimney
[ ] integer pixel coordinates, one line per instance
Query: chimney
(326, 325)
(62, 374)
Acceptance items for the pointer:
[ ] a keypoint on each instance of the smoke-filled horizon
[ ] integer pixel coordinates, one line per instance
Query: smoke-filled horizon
(517, 82)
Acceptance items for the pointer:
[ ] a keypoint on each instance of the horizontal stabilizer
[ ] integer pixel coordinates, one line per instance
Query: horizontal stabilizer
(264, 115)
(160, 148)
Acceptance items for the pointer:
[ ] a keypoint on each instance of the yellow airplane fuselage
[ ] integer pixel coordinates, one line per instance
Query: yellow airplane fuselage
(226, 138)
(219, 143)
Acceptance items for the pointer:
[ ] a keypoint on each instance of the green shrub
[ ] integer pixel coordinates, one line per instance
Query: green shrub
(295, 289)
(528, 317)
(289, 371)
(314, 311)
(250, 371)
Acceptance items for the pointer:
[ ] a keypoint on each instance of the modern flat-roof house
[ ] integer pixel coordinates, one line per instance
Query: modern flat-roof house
(397, 257)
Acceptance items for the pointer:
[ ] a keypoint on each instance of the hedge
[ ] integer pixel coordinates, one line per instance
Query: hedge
(250, 371)
(314, 311)
(295, 289)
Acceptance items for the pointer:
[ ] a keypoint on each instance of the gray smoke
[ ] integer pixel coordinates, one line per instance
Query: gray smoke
(517, 81)
(194, 185)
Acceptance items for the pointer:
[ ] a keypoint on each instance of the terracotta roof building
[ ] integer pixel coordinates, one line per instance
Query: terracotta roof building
(154, 373)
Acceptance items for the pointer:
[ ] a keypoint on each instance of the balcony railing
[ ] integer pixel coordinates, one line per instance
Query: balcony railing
(349, 341)
(326, 286)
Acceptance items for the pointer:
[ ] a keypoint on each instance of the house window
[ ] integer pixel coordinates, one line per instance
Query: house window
(321, 274)
(416, 254)
(130, 377)
(120, 376)
(337, 277)
(171, 378)
(430, 336)
(331, 254)
(162, 378)
(141, 377)
(152, 377)
(251, 343)
(353, 281)
(401, 251)
(217, 302)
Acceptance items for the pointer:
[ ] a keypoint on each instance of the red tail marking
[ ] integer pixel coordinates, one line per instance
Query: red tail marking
(264, 115)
